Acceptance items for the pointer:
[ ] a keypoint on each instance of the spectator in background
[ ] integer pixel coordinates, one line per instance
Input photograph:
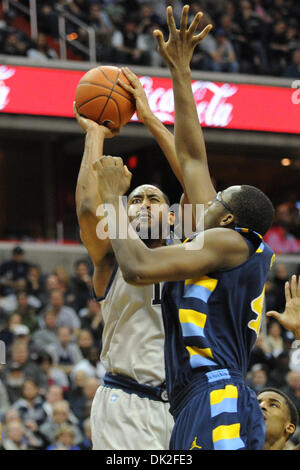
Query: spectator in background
(277, 376)
(16, 437)
(47, 19)
(64, 439)
(81, 285)
(53, 375)
(274, 339)
(35, 284)
(249, 40)
(66, 316)
(224, 59)
(17, 267)
(48, 334)
(7, 334)
(125, 48)
(4, 400)
(19, 368)
(292, 389)
(15, 46)
(279, 236)
(261, 355)
(100, 22)
(28, 314)
(52, 283)
(54, 394)
(31, 405)
(10, 302)
(61, 415)
(278, 47)
(91, 365)
(85, 342)
(75, 396)
(279, 280)
(86, 444)
(40, 51)
(257, 378)
(82, 406)
(92, 320)
(65, 353)
(293, 70)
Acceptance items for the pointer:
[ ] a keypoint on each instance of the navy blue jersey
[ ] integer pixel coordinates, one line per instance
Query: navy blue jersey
(212, 322)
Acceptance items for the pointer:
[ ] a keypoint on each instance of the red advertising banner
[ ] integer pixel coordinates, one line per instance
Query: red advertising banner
(50, 92)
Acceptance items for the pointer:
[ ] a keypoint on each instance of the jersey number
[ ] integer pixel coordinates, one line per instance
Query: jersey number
(257, 307)
(156, 299)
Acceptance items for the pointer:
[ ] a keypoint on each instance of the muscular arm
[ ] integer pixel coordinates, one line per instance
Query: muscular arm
(87, 202)
(189, 141)
(218, 249)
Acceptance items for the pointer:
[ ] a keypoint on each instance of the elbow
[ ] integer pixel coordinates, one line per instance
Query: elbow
(134, 275)
(131, 276)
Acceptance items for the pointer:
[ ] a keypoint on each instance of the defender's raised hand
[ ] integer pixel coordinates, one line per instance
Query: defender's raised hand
(114, 178)
(177, 52)
(290, 318)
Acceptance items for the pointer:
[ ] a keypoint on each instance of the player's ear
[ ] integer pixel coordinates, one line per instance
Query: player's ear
(171, 218)
(227, 220)
(290, 428)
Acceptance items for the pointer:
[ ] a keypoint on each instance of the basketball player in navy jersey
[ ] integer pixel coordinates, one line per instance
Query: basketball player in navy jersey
(131, 410)
(213, 299)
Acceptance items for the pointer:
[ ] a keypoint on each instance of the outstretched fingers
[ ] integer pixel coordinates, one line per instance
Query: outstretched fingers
(159, 37)
(184, 19)
(203, 34)
(195, 23)
(171, 21)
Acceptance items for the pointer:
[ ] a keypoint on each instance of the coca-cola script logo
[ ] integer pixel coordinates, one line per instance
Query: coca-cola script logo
(210, 98)
(5, 74)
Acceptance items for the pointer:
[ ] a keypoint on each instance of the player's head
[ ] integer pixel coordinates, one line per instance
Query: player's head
(245, 206)
(148, 209)
(280, 415)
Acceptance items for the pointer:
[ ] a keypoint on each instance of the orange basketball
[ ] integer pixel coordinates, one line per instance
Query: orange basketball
(100, 98)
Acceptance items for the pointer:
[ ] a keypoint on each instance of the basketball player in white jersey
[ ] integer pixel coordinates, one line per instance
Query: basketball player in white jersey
(131, 410)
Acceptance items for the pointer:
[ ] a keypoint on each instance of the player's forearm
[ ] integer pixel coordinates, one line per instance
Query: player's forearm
(87, 196)
(166, 141)
(189, 140)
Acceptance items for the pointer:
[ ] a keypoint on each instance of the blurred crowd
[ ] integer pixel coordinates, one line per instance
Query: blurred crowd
(284, 236)
(52, 331)
(249, 36)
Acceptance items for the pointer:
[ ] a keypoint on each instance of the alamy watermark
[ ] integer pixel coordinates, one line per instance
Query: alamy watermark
(296, 94)
(2, 353)
(158, 221)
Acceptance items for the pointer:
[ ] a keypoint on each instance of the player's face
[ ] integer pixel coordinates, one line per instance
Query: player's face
(147, 208)
(276, 415)
(218, 210)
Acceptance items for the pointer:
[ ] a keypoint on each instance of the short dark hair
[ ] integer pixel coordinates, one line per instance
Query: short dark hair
(290, 404)
(252, 209)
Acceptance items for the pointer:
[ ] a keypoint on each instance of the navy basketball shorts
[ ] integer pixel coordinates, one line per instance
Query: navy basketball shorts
(218, 412)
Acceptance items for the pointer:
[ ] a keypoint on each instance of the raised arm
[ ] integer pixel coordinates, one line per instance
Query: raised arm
(189, 142)
(88, 200)
(162, 135)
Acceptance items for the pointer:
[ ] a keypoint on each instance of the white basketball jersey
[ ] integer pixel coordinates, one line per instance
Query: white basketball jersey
(133, 335)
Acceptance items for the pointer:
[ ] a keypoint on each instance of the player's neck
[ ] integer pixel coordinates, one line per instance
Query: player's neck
(276, 445)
